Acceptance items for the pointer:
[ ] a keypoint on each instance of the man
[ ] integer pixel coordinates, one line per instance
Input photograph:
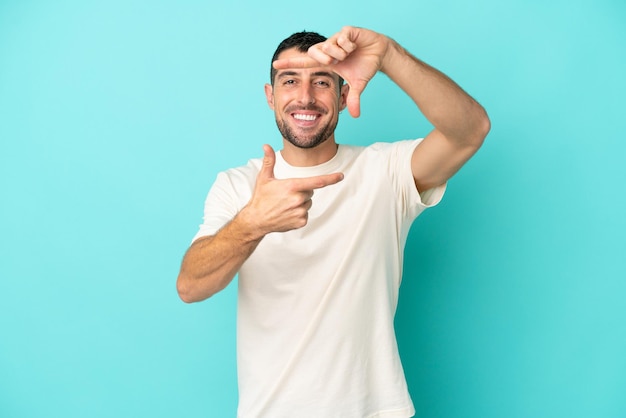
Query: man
(317, 231)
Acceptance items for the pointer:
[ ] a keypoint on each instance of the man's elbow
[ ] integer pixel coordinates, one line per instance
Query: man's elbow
(185, 291)
(483, 126)
(182, 291)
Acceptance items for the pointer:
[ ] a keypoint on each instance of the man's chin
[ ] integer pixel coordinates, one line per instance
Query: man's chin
(306, 143)
(305, 140)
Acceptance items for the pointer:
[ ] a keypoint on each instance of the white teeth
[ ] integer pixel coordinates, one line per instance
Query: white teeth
(304, 117)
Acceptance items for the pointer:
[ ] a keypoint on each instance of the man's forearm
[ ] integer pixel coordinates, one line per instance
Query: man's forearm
(450, 109)
(211, 262)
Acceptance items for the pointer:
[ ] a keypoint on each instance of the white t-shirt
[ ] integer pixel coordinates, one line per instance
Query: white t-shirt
(316, 305)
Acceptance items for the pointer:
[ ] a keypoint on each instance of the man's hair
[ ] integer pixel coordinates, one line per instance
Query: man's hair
(302, 41)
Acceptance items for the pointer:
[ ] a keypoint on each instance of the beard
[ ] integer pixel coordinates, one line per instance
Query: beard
(307, 140)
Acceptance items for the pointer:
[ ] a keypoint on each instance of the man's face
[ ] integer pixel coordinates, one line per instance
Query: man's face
(306, 102)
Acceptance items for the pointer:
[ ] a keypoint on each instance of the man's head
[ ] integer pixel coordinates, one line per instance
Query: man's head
(301, 41)
(306, 101)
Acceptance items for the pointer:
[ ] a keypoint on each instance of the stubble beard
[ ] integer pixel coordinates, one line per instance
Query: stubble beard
(306, 141)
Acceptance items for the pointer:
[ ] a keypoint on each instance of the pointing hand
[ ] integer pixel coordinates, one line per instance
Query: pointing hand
(282, 205)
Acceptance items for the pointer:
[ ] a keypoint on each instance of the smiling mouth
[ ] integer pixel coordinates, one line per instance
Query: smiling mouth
(300, 116)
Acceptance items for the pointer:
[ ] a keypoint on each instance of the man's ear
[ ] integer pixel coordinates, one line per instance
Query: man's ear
(269, 95)
(343, 96)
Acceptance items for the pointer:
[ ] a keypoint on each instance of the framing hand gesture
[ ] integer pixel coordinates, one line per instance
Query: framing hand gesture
(356, 54)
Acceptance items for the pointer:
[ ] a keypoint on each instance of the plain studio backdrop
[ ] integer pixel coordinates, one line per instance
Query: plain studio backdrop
(115, 117)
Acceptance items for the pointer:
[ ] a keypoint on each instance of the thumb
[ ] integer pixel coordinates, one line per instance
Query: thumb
(354, 101)
(269, 160)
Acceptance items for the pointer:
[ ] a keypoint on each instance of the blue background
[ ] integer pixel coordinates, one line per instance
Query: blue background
(115, 117)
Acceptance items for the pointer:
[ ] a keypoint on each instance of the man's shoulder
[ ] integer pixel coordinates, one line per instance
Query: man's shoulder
(239, 177)
(251, 168)
(382, 148)
(390, 145)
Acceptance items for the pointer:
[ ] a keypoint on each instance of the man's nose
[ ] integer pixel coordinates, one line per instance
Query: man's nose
(307, 95)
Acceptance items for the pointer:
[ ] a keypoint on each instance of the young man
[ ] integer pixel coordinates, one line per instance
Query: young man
(317, 231)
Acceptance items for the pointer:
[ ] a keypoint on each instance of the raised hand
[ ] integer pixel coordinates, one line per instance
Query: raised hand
(282, 205)
(356, 54)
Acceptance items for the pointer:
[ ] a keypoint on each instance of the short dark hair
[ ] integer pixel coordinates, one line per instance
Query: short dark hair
(302, 41)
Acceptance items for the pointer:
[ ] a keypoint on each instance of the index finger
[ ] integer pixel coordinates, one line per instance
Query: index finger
(317, 182)
(295, 62)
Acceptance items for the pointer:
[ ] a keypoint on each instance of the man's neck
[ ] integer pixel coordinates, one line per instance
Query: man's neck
(309, 157)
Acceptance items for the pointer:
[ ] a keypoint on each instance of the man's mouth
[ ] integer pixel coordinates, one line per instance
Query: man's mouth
(301, 116)
(307, 115)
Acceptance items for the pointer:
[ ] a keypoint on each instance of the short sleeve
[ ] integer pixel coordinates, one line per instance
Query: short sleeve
(220, 206)
(413, 203)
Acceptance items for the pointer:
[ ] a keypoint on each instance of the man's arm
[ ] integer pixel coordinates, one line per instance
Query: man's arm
(276, 206)
(460, 123)
(211, 263)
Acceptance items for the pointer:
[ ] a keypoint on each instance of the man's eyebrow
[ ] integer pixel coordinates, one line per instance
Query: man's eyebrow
(323, 74)
(287, 73)
(290, 73)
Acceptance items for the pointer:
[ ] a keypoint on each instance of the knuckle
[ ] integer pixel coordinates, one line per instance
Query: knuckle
(317, 183)
(302, 221)
(295, 200)
(291, 186)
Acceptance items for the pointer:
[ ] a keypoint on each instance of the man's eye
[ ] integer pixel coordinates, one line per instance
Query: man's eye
(289, 82)
(322, 83)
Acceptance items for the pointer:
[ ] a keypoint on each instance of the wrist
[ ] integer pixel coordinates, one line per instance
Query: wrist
(248, 225)
(394, 53)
